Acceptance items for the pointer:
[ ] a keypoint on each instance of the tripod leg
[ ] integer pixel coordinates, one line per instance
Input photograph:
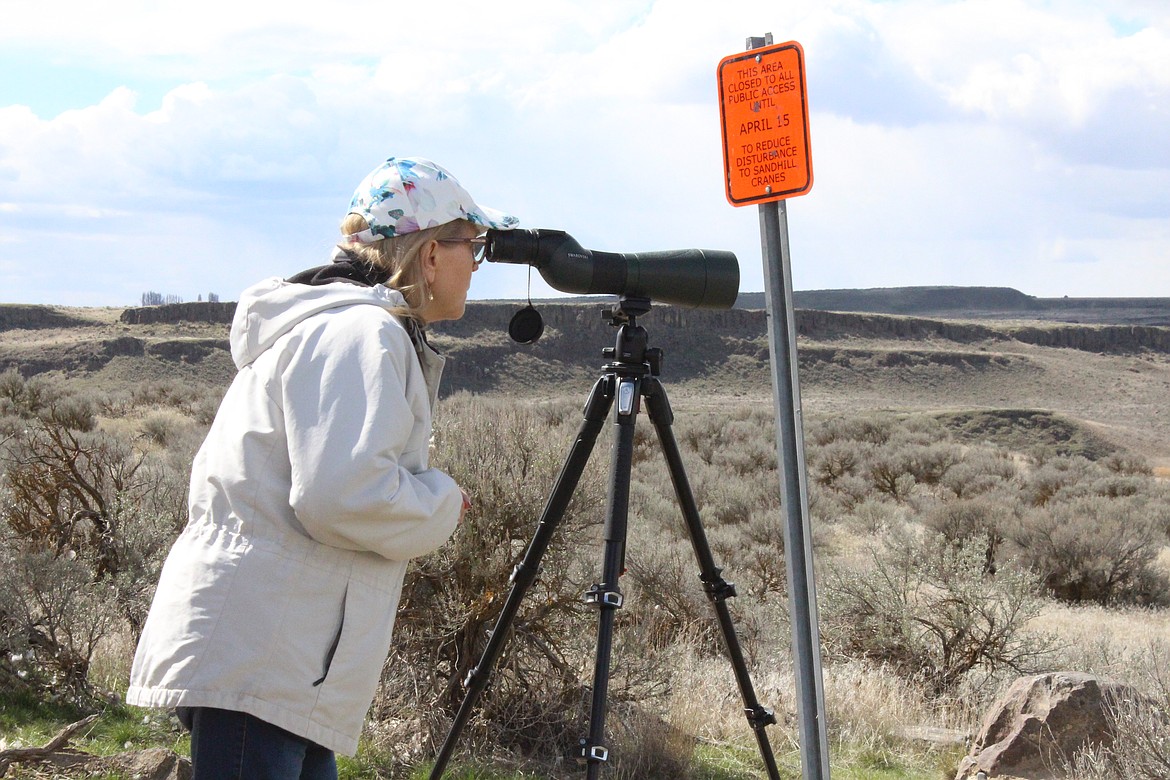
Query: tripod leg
(718, 589)
(596, 409)
(607, 596)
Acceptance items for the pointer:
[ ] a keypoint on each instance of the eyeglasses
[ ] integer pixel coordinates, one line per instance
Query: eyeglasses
(478, 247)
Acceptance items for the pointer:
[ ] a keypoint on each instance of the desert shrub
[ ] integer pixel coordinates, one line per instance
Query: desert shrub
(889, 472)
(164, 427)
(833, 460)
(853, 491)
(164, 392)
(114, 403)
(902, 459)
(1057, 477)
(199, 402)
(929, 463)
(64, 486)
(760, 561)
(921, 430)
(1127, 463)
(644, 746)
(86, 523)
(666, 600)
(730, 466)
(1116, 485)
(556, 413)
(1141, 747)
(732, 501)
(926, 609)
(1095, 549)
(740, 442)
(897, 467)
(506, 457)
(975, 524)
(69, 412)
(699, 434)
(24, 398)
(11, 386)
(1139, 728)
(746, 448)
(979, 471)
(870, 430)
(53, 614)
(734, 480)
(872, 516)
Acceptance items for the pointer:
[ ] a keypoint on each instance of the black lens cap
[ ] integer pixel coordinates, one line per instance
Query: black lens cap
(526, 325)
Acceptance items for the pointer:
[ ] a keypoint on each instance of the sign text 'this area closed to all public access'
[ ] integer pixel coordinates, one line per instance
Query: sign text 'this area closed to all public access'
(763, 105)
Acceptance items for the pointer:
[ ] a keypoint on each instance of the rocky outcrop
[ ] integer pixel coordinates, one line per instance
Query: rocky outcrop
(830, 324)
(34, 317)
(187, 350)
(1033, 731)
(910, 300)
(1096, 338)
(94, 355)
(215, 312)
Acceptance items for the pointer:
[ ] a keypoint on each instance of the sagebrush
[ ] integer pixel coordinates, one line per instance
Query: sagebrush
(935, 553)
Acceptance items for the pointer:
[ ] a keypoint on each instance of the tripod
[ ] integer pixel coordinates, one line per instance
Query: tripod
(631, 374)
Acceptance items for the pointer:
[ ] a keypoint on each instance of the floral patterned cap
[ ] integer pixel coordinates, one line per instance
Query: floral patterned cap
(407, 194)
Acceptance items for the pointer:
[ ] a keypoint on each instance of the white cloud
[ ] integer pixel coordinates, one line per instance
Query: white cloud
(1064, 74)
(953, 143)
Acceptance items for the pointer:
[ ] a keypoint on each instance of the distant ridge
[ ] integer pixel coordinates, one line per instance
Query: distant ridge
(727, 349)
(911, 300)
(976, 303)
(961, 303)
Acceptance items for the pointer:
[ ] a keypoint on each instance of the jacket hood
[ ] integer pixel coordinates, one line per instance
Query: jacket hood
(271, 308)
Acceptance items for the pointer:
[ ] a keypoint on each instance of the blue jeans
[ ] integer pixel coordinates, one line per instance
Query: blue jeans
(227, 745)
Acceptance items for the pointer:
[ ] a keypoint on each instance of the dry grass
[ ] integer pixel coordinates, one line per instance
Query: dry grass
(1114, 643)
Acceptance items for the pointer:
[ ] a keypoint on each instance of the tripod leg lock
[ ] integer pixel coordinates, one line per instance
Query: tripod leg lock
(596, 597)
(758, 717)
(473, 676)
(522, 572)
(718, 589)
(592, 754)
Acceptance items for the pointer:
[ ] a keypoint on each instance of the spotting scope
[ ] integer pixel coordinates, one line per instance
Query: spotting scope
(699, 278)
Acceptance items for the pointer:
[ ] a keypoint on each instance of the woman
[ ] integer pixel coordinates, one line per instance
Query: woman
(274, 612)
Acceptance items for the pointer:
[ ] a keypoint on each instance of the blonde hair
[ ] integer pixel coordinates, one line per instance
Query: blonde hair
(399, 257)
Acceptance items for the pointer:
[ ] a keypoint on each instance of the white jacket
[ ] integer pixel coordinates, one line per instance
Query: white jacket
(308, 497)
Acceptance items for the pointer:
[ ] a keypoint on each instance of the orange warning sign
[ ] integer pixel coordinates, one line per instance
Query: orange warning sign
(763, 105)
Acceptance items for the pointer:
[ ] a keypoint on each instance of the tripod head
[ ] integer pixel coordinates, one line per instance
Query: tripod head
(631, 352)
(626, 310)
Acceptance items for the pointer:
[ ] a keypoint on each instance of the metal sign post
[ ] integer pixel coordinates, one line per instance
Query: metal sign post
(764, 112)
(802, 590)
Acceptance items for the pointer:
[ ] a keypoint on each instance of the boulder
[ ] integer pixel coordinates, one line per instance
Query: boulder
(1033, 730)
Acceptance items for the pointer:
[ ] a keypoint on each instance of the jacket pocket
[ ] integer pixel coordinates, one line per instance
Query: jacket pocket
(336, 641)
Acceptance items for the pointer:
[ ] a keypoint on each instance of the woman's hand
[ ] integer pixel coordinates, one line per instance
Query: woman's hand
(466, 504)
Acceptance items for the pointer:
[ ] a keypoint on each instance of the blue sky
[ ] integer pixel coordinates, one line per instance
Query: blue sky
(188, 148)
